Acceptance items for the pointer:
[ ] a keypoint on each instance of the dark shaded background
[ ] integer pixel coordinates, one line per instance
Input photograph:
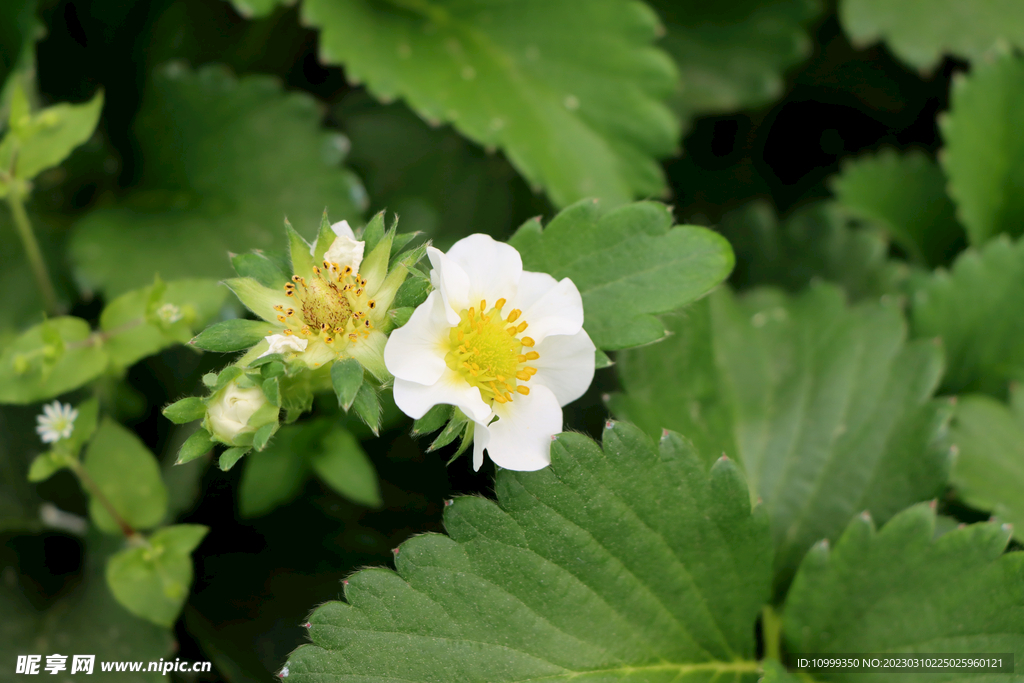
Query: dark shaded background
(257, 579)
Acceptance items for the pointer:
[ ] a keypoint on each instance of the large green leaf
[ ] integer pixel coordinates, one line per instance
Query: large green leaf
(628, 263)
(984, 154)
(817, 242)
(86, 621)
(223, 161)
(827, 407)
(907, 196)
(342, 465)
(921, 31)
(900, 590)
(128, 475)
(989, 469)
(435, 179)
(626, 561)
(977, 311)
(572, 93)
(731, 55)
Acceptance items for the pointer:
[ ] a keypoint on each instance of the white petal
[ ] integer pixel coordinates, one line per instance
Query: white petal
(415, 351)
(345, 251)
(416, 399)
(565, 366)
(52, 410)
(521, 438)
(284, 343)
(550, 307)
(453, 283)
(493, 267)
(343, 229)
(480, 437)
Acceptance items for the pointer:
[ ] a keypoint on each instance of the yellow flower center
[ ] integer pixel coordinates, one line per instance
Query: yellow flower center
(487, 350)
(332, 305)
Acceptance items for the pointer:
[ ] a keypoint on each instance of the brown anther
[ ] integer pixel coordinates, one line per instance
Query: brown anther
(372, 304)
(288, 333)
(279, 308)
(316, 270)
(305, 330)
(281, 319)
(347, 270)
(328, 340)
(290, 312)
(353, 337)
(359, 292)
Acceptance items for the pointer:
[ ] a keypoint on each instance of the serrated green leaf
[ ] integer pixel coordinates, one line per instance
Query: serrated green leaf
(37, 141)
(197, 445)
(436, 180)
(231, 456)
(223, 185)
(232, 335)
(347, 379)
(342, 465)
(984, 153)
(455, 427)
(976, 309)
(954, 593)
(367, 407)
(85, 620)
(817, 242)
(153, 581)
(628, 263)
(907, 196)
(732, 55)
(128, 475)
(827, 408)
(572, 94)
(920, 32)
(31, 369)
(412, 293)
(143, 322)
(183, 411)
(626, 561)
(433, 420)
(988, 472)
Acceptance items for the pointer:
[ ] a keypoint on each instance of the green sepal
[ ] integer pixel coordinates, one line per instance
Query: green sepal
(454, 428)
(196, 445)
(373, 232)
(263, 435)
(298, 252)
(272, 390)
(231, 456)
(401, 241)
(434, 419)
(347, 378)
(375, 266)
(324, 239)
(271, 370)
(257, 298)
(367, 406)
(231, 335)
(225, 376)
(412, 293)
(467, 439)
(397, 317)
(260, 268)
(188, 409)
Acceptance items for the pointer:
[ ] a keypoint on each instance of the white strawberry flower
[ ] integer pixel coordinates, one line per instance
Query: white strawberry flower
(504, 345)
(57, 422)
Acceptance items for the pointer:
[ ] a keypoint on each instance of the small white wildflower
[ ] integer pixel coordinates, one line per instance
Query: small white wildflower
(57, 422)
(169, 313)
(283, 343)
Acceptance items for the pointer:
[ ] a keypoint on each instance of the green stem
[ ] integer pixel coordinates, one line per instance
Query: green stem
(771, 631)
(35, 256)
(89, 483)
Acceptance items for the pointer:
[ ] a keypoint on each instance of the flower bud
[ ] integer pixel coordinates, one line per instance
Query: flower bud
(233, 414)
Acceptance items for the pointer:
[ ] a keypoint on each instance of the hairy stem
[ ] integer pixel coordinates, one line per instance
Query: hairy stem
(35, 255)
